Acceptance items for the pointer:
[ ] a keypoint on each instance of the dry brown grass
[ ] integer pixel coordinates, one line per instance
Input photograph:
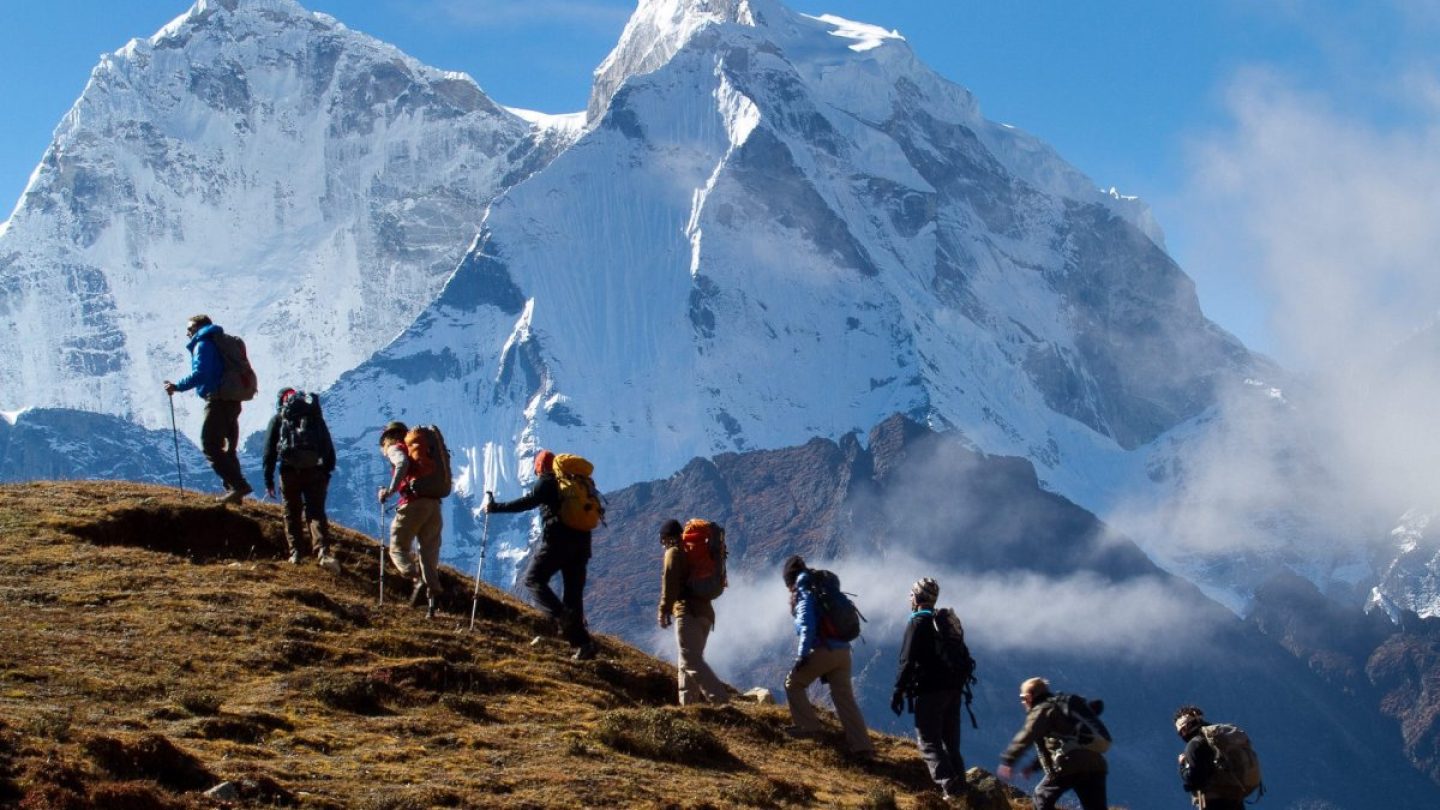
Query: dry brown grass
(152, 644)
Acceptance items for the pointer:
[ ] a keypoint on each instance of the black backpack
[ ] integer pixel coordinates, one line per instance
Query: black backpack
(301, 445)
(839, 618)
(954, 656)
(1089, 732)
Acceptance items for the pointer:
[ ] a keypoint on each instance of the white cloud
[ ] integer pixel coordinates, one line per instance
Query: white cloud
(1334, 206)
(1081, 614)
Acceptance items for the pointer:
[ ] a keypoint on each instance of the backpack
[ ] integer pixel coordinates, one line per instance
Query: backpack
(954, 656)
(1237, 769)
(1090, 733)
(237, 381)
(301, 444)
(703, 543)
(580, 505)
(839, 618)
(950, 648)
(429, 462)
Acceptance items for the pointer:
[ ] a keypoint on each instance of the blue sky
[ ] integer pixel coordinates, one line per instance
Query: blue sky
(1191, 105)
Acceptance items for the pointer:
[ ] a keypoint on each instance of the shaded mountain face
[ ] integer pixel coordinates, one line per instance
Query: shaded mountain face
(779, 227)
(309, 187)
(1044, 588)
(55, 444)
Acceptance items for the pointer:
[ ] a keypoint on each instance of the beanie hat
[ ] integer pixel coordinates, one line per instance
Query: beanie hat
(544, 462)
(794, 567)
(925, 591)
(670, 528)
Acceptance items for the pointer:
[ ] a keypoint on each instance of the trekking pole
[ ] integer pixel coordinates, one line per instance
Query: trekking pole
(381, 518)
(484, 536)
(175, 433)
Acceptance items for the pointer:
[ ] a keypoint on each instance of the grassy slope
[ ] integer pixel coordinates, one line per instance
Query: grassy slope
(151, 645)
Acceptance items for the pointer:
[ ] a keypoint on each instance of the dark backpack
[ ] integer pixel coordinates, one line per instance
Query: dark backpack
(302, 440)
(237, 382)
(951, 649)
(429, 462)
(839, 618)
(1089, 731)
(1237, 768)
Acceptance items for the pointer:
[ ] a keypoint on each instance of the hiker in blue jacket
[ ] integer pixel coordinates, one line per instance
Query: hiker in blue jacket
(220, 433)
(824, 659)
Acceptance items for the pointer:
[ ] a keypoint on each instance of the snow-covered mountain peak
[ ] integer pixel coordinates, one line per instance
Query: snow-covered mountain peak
(307, 185)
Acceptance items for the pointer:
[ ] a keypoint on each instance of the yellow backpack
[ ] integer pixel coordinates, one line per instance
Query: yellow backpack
(580, 504)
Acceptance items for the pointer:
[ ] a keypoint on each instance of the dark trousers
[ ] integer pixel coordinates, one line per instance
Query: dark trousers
(937, 729)
(568, 559)
(304, 494)
(1089, 789)
(220, 439)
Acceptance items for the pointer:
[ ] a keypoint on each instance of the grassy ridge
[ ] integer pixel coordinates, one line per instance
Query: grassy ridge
(154, 645)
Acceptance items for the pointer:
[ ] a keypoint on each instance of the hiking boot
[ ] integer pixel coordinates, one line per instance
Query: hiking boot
(328, 562)
(295, 558)
(586, 651)
(236, 495)
(417, 593)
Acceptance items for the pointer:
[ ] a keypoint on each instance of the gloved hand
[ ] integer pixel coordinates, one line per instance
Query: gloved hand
(383, 494)
(897, 703)
(664, 619)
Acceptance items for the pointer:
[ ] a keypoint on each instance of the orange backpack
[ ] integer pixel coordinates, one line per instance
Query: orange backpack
(429, 462)
(704, 545)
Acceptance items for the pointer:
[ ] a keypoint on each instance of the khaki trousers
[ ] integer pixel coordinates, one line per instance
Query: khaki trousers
(419, 519)
(834, 667)
(698, 682)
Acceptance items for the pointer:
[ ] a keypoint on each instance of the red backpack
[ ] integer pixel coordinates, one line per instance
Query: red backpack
(704, 545)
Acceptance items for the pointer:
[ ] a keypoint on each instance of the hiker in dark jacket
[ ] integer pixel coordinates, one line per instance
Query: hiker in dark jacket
(819, 658)
(693, 617)
(562, 550)
(220, 433)
(1199, 775)
(926, 682)
(304, 474)
(418, 521)
(1066, 767)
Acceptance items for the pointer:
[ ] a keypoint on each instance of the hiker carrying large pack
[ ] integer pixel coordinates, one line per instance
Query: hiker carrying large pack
(934, 677)
(1053, 725)
(299, 441)
(564, 546)
(1218, 768)
(221, 375)
(420, 475)
(823, 654)
(693, 575)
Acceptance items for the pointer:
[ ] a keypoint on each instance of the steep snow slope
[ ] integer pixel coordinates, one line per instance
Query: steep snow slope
(780, 227)
(308, 186)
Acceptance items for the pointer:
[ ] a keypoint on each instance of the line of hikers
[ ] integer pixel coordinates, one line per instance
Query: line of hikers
(935, 672)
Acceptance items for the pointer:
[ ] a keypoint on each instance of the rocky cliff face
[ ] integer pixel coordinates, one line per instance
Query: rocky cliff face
(309, 187)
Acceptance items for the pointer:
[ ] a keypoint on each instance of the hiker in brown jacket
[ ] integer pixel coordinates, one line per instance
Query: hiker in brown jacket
(693, 618)
(1066, 766)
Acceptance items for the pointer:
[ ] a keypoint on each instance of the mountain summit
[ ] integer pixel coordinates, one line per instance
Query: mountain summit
(778, 227)
(308, 186)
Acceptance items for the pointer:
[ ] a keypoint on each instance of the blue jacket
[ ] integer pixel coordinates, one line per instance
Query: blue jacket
(206, 364)
(807, 620)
